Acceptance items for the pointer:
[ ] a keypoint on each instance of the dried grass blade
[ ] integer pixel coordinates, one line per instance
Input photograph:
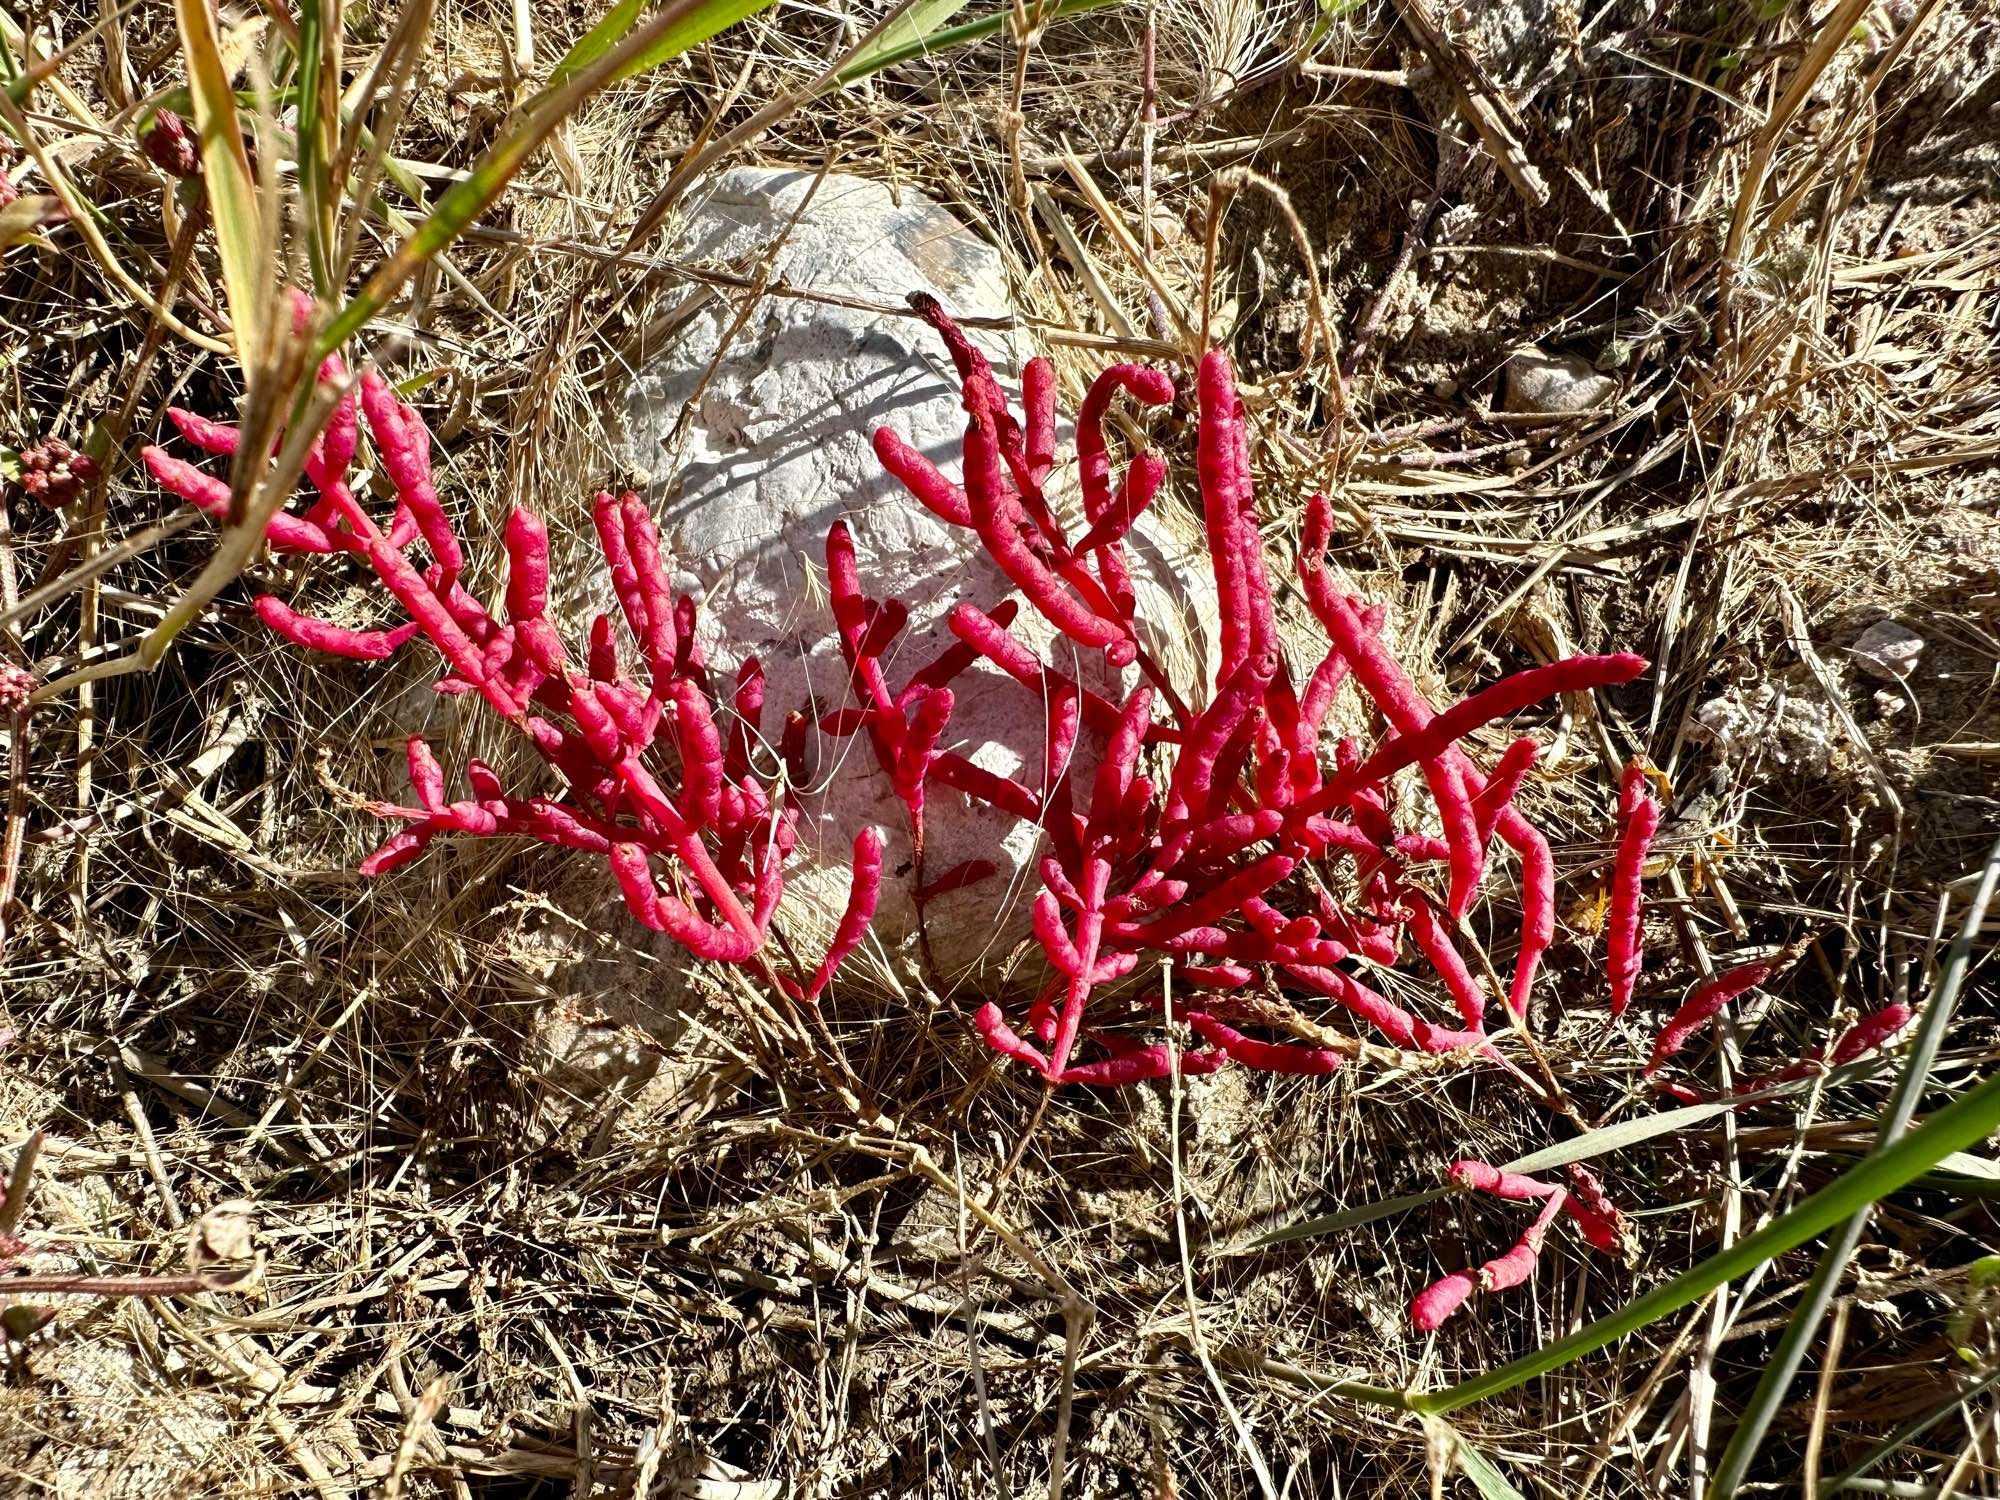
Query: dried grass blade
(675, 28)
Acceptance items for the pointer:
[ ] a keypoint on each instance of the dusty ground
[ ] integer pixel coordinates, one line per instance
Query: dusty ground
(518, 1244)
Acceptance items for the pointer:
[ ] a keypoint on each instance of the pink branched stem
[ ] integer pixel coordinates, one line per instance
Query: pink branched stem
(1509, 772)
(1345, 990)
(862, 897)
(693, 840)
(1638, 821)
(1441, 732)
(991, 1024)
(1146, 385)
(1518, 1264)
(997, 517)
(1483, 1177)
(940, 496)
(1267, 1057)
(987, 636)
(1390, 688)
(1871, 1033)
(1111, 518)
(1229, 507)
(1442, 1298)
(1141, 1065)
(961, 876)
(1429, 932)
(320, 635)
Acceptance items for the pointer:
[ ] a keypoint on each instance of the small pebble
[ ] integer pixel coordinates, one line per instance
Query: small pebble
(1887, 651)
(1554, 383)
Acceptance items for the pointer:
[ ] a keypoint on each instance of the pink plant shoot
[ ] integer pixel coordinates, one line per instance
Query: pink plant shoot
(1638, 821)
(1208, 861)
(1202, 853)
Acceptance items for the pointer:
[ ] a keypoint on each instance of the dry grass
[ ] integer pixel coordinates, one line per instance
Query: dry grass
(490, 1273)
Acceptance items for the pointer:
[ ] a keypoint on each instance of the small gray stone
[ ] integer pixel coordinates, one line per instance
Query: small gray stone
(1556, 384)
(1887, 651)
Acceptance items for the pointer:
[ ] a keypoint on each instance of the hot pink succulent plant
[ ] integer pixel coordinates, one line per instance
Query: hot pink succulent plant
(1212, 836)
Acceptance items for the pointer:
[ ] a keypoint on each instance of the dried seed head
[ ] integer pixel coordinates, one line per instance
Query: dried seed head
(16, 683)
(55, 473)
(170, 145)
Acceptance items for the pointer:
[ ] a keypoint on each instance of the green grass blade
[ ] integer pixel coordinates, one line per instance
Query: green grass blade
(1481, 1471)
(318, 112)
(875, 59)
(913, 29)
(234, 209)
(674, 28)
(1346, 1218)
(1963, 1123)
(595, 42)
(707, 19)
(1908, 1433)
(1785, 1360)
(704, 22)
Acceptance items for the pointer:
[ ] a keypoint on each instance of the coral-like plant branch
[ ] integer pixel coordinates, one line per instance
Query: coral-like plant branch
(1225, 834)
(1638, 821)
(655, 775)
(1206, 862)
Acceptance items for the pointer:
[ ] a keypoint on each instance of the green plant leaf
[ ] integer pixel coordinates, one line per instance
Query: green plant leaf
(1474, 1465)
(234, 209)
(595, 42)
(908, 34)
(319, 112)
(1346, 1218)
(876, 59)
(703, 22)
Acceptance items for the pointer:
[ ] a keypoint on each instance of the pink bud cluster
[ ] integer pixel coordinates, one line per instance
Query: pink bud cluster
(170, 145)
(17, 686)
(55, 473)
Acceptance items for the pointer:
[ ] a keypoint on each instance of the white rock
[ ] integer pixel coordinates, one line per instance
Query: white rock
(776, 448)
(1887, 651)
(1554, 383)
